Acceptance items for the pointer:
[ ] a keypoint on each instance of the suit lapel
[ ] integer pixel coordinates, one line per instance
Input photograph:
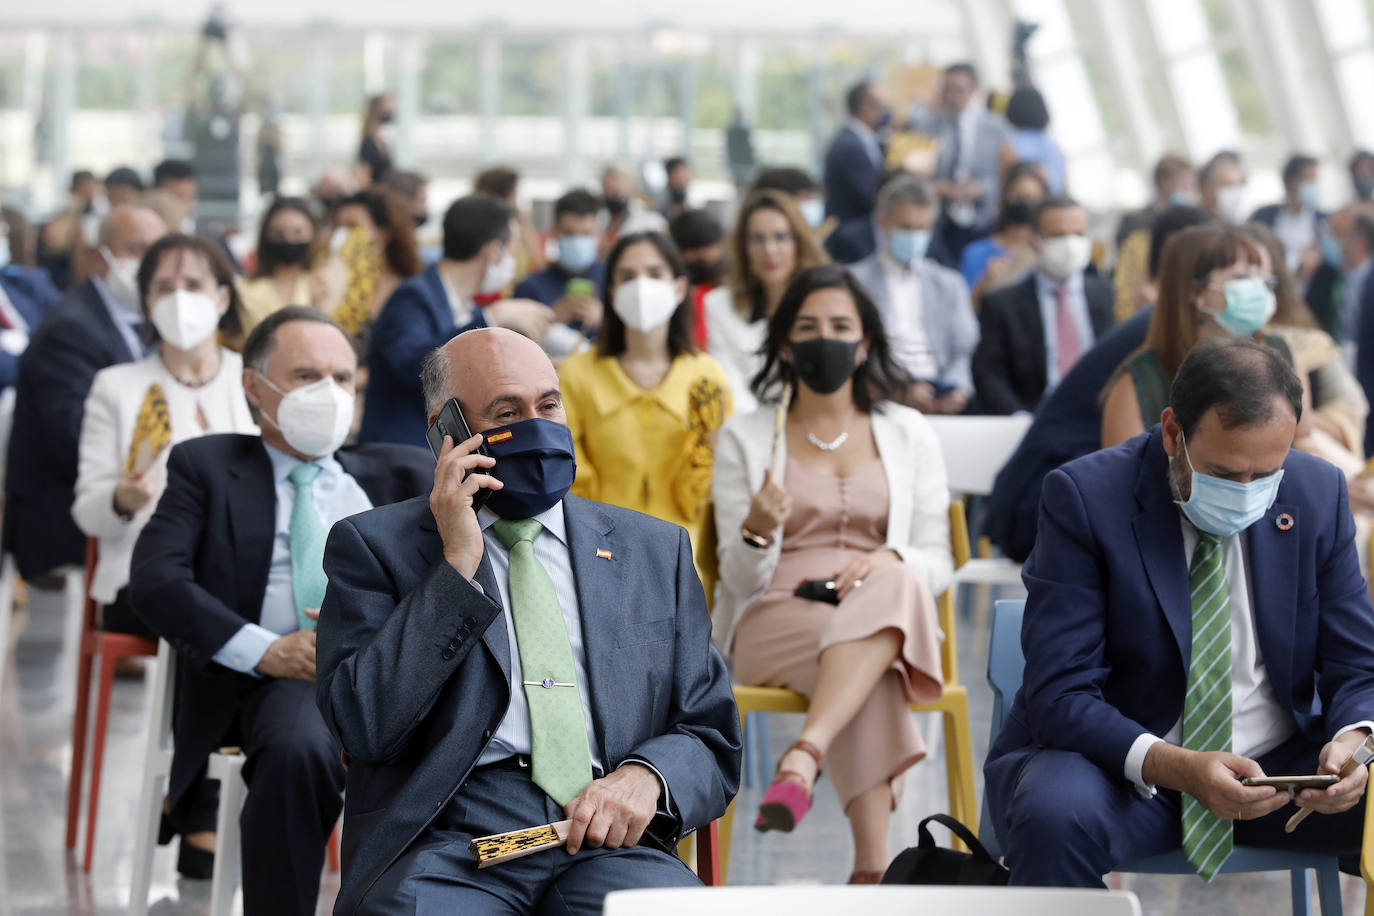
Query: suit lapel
(252, 523)
(113, 338)
(1274, 591)
(1159, 537)
(1035, 328)
(600, 590)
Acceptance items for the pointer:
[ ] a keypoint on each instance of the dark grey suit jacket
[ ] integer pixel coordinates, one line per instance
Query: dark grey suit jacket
(414, 672)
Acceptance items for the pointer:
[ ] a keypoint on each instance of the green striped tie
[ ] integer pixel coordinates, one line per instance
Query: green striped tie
(1207, 839)
(307, 536)
(560, 756)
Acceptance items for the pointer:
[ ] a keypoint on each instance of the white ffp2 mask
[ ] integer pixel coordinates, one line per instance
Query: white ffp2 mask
(314, 419)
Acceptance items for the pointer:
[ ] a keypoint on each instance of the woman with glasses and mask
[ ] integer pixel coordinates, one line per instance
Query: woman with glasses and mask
(1212, 283)
(644, 405)
(834, 542)
(282, 275)
(188, 386)
(770, 245)
(1004, 257)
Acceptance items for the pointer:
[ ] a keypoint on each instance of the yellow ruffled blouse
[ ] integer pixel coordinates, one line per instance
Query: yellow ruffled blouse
(649, 450)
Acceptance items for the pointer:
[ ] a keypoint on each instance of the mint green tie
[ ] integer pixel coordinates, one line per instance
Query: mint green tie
(307, 545)
(560, 756)
(1207, 839)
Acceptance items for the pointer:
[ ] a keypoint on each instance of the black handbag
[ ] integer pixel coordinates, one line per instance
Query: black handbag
(926, 863)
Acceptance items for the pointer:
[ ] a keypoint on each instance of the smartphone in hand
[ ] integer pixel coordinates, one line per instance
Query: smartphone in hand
(1318, 781)
(451, 422)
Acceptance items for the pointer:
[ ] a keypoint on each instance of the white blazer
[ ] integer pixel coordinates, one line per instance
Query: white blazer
(917, 512)
(735, 343)
(107, 432)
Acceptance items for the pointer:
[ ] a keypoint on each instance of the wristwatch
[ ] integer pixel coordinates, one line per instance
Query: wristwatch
(755, 540)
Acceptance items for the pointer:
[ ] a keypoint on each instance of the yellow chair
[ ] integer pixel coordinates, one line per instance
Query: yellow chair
(952, 705)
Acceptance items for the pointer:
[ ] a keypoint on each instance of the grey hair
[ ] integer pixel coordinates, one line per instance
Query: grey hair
(435, 380)
(905, 189)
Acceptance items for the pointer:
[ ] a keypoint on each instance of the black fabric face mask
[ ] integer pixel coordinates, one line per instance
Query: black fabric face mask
(420, 218)
(700, 273)
(616, 205)
(823, 363)
(288, 254)
(1018, 213)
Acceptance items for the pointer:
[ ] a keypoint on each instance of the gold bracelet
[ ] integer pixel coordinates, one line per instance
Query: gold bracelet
(755, 540)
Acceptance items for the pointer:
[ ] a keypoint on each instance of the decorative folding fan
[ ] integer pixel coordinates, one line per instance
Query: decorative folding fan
(152, 431)
(503, 847)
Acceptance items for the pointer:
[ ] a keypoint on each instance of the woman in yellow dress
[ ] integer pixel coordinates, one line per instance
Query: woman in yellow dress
(644, 406)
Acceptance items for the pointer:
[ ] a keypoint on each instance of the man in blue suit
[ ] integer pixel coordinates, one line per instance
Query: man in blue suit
(543, 658)
(854, 162)
(229, 571)
(94, 326)
(25, 294)
(1196, 616)
(429, 309)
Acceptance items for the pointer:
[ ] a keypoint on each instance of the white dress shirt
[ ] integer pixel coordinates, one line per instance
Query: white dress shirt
(461, 308)
(1047, 289)
(551, 549)
(337, 495)
(1297, 231)
(1258, 722)
(905, 319)
(126, 320)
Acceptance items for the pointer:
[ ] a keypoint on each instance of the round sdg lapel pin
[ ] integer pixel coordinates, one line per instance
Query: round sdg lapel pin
(1284, 522)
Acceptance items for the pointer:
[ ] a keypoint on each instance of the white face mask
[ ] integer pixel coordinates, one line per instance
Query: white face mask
(645, 303)
(314, 419)
(1063, 256)
(498, 275)
(1231, 204)
(185, 319)
(122, 279)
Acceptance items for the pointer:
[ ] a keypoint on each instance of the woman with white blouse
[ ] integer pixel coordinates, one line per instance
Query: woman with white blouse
(770, 245)
(187, 387)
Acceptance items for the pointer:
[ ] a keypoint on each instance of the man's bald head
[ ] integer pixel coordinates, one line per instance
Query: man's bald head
(498, 376)
(128, 231)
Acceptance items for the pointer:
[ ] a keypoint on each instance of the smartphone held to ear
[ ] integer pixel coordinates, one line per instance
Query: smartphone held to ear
(451, 422)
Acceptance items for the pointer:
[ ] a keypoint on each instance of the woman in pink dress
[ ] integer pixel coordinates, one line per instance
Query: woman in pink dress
(862, 503)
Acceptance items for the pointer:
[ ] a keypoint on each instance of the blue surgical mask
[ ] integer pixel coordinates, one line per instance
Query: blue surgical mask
(1249, 306)
(813, 211)
(5, 251)
(1332, 252)
(576, 252)
(1224, 507)
(1183, 198)
(907, 245)
(1309, 195)
(534, 462)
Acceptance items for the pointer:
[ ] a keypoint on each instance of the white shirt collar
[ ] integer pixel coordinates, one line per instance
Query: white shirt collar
(551, 518)
(283, 464)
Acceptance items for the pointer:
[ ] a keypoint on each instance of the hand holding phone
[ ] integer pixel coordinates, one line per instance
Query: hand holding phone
(461, 486)
(818, 590)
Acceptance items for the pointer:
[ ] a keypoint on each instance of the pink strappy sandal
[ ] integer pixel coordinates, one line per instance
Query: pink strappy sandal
(787, 799)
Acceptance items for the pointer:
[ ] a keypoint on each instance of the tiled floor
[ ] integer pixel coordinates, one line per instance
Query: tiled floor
(38, 876)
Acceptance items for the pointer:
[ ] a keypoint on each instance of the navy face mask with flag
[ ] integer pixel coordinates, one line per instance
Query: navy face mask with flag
(535, 462)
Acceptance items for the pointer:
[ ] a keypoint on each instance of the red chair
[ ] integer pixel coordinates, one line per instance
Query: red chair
(110, 647)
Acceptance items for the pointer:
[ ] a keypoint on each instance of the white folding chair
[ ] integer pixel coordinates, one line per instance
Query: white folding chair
(880, 900)
(157, 771)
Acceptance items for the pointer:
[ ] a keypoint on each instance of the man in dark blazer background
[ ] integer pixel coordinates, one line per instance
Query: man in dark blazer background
(854, 162)
(456, 728)
(1196, 615)
(430, 308)
(93, 326)
(1034, 331)
(228, 572)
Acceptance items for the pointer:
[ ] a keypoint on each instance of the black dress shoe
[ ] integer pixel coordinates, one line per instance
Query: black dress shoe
(193, 862)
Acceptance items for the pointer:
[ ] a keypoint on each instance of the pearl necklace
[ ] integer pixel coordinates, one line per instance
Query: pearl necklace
(835, 443)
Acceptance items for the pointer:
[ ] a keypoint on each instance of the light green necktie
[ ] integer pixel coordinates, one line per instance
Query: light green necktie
(560, 756)
(1207, 839)
(307, 545)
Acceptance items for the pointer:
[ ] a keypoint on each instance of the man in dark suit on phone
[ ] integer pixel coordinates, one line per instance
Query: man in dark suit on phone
(1034, 332)
(1196, 616)
(230, 572)
(546, 657)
